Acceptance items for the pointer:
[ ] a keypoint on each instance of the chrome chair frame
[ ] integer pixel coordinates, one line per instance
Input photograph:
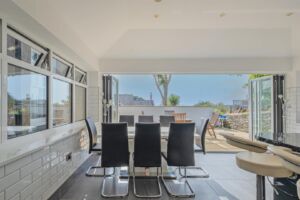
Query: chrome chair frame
(114, 195)
(120, 159)
(158, 184)
(172, 194)
(98, 166)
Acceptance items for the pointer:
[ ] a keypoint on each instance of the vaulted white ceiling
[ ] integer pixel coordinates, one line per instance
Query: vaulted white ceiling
(138, 29)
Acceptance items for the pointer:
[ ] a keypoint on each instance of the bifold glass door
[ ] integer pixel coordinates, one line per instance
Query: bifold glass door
(110, 98)
(266, 107)
(262, 107)
(115, 100)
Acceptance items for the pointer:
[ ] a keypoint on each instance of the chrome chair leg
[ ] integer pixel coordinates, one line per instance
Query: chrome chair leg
(158, 184)
(204, 175)
(172, 194)
(117, 195)
(89, 172)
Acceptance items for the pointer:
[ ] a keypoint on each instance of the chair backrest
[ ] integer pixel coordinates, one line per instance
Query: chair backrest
(180, 151)
(203, 131)
(92, 130)
(147, 145)
(127, 118)
(145, 119)
(115, 151)
(165, 120)
(179, 116)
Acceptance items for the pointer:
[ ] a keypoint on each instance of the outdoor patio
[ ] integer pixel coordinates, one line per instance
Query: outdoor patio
(219, 144)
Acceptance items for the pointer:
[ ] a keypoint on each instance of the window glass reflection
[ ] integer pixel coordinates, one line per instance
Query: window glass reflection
(80, 97)
(61, 68)
(62, 105)
(22, 51)
(27, 102)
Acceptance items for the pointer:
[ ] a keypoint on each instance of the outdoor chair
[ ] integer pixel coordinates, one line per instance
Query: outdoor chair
(212, 124)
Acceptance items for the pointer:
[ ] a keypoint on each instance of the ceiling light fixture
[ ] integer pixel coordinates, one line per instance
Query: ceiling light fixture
(156, 16)
(157, 1)
(222, 14)
(289, 14)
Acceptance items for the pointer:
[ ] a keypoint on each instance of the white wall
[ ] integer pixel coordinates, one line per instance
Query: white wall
(28, 26)
(95, 96)
(201, 65)
(34, 166)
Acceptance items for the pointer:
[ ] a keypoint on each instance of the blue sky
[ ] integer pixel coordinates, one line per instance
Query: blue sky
(190, 88)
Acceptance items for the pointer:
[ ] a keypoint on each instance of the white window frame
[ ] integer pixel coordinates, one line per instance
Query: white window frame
(19, 36)
(5, 60)
(83, 86)
(82, 72)
(70, 73)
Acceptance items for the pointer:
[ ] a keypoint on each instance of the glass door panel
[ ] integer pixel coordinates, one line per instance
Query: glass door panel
(262, 109)
(115, 99)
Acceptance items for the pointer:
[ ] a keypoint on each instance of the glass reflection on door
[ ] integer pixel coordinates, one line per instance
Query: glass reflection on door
(115, 99)
(262, 108)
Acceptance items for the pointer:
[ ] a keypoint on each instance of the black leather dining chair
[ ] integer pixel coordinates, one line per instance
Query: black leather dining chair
(180, 153)
(127, 118)
(145, 119)
(201, 148)
(165, 120)
(147, 152)
(94, 147)
(115, 153)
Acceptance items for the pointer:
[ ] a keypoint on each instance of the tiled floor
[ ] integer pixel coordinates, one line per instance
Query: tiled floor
(226, 182)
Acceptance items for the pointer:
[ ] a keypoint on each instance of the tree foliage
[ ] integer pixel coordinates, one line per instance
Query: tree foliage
(220, 108)
(173, 100)
(254, 76)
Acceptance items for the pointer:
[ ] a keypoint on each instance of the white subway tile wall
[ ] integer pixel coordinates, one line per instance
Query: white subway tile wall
(292, 115)
(38, 175)
(94, 103)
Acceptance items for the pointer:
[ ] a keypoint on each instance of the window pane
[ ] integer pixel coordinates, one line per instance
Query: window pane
(27, 102)
(62, 106)
(80, 76)
(80, 94)
(61, 68)
(21, 51)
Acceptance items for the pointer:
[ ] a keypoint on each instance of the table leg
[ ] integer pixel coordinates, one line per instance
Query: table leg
(260, 188)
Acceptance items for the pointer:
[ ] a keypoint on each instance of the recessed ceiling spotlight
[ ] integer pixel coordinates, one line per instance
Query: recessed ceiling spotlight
(289, 14)
(156, 16)
(157, 1)
(222, 14)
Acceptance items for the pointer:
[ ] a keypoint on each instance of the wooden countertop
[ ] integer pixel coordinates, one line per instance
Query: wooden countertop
(264, 164)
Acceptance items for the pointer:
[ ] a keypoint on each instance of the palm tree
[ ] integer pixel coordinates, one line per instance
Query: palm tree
(162, 82)
(174, 100)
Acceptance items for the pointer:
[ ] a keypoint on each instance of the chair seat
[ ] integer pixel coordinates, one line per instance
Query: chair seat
(97, 147)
